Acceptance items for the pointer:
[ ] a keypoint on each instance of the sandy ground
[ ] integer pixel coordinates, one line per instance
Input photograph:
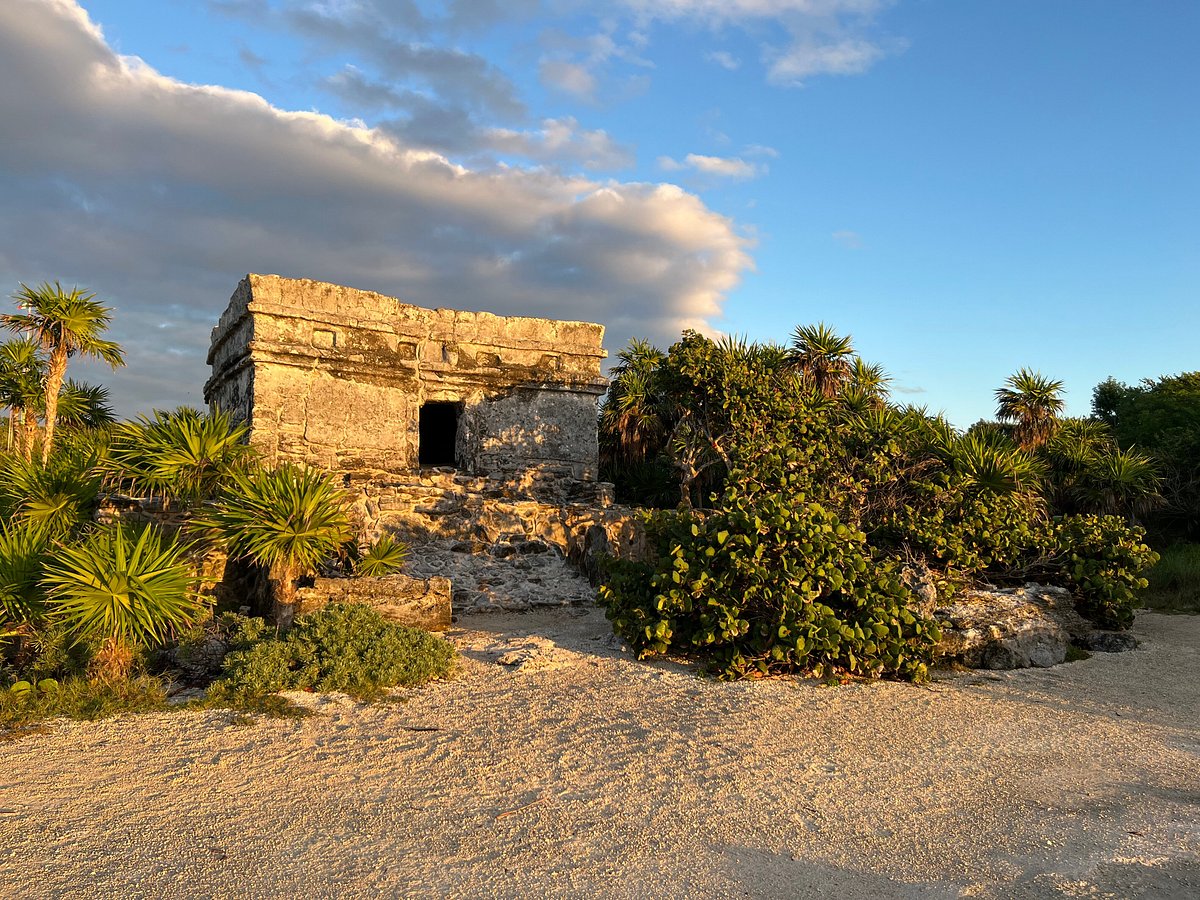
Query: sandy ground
(585, 773)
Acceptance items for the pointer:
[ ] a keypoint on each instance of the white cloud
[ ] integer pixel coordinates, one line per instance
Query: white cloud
(161, 195)
(719, 166)
(851, 240)
(568, 77)
(807, 58)
(725, 60)
(560, 139)
(824, 37)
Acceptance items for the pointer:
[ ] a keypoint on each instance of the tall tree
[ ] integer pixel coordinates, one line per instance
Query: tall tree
(1032, 403)
(21, 376)
(823, 357)
(63, 324)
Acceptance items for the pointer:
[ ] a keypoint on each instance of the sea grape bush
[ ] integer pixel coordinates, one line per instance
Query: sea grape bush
(820, 493)
(767, 583)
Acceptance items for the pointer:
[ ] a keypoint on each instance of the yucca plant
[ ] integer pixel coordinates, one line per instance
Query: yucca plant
(289, 520)
(383, 557)
(124, 586)
(990, 466)
(182, 455)
(22, 553)
(58, 497)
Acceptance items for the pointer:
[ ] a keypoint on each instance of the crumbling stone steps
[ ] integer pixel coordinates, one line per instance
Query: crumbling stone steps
(512, 573)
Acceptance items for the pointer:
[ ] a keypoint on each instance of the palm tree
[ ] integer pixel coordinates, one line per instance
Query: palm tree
(1032, 403)
(289, 520)
(1120, 483)
(822, 356)
(870, 378)
(85, 405)
(21, 375)
(182, 455)
(63, 324)
(125, 586)
(633, 419)
(987, 465)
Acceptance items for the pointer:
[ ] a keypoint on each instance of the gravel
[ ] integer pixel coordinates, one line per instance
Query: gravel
(574, 770)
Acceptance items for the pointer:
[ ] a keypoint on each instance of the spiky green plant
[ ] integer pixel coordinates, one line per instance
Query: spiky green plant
(124, 585)
(85, 405)
(64, 324)
(22, 554)
(1033, 404)
(383, 557)
(21, 374)
(990, 466)
(59, 496)
(182, 455)
(289, 520)
(870, 378)
(633, 418)
(823, 357)
(1119, 482)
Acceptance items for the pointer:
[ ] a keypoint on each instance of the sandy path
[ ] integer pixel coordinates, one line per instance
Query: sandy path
(601, 776)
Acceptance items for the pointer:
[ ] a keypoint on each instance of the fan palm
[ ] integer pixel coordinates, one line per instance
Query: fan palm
(870, 378)
(632, 420)
(181, 455)
(21, 375)
(84, 405)
(822, 356)
(1119, 482)
(124, 586)
(58, 497)
(63, 324)
(22, 552)
(1032, 403)
(289, 520)
(383, 557)
(989, 466)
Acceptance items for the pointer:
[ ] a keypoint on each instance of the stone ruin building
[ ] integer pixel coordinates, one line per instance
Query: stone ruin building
(469, 435)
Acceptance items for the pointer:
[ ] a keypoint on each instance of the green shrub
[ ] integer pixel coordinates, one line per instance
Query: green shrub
(81, 698)
(768, 583)
(201, 651)
(1103, 558)
(342, 647)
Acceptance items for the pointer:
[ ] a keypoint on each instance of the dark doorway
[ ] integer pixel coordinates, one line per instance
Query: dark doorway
(438, 433)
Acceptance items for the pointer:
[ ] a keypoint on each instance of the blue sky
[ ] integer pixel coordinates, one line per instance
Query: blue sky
(966, 187)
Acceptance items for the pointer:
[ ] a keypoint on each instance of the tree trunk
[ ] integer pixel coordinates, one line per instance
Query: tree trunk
(55, 372)
(28, 433)
(283, 594)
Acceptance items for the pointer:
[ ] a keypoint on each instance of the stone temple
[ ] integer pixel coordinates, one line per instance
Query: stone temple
(469, 435)
(353, 381)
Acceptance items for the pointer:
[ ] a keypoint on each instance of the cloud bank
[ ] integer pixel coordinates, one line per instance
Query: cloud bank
(161, 195)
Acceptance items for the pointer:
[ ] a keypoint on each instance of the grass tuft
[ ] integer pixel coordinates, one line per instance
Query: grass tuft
(1175, 581)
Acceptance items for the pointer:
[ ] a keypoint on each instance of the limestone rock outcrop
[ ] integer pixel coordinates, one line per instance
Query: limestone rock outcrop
(1030, 626)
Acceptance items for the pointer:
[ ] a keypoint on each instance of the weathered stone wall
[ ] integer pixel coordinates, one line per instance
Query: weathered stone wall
(335, 377)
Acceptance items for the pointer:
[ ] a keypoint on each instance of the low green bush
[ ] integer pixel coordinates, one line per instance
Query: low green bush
(768, 583)
(342, 647)
(1102, 558)
(79, 698)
